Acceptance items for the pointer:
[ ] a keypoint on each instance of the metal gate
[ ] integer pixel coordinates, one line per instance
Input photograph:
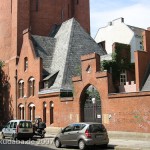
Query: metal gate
(92, 111)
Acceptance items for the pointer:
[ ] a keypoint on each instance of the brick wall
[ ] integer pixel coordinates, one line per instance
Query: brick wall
(120, 112)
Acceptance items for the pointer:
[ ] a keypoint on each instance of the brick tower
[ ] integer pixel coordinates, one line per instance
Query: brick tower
(38, 15)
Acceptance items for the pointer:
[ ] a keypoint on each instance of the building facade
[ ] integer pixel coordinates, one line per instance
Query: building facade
(42, 17)
(45, 70)
(118, 31)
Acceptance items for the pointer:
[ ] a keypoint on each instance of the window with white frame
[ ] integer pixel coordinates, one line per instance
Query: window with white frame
(31, 86)
(21, 89)
(123, 77)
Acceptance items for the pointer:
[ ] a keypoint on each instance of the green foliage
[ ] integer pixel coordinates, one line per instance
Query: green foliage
(93, 94)
(120, 61)
(1, 64)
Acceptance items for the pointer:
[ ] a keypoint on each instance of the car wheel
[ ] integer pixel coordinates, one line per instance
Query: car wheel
(81, 145)
(57, 143)
(3, 137)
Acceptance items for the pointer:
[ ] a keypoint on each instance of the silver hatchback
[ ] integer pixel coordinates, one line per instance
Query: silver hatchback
(82, 135)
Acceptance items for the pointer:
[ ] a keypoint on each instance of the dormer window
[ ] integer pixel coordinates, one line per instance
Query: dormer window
(46, 84)
(25, 63)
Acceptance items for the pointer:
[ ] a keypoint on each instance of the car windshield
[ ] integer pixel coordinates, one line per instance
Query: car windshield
(25, 124)
(94, 128)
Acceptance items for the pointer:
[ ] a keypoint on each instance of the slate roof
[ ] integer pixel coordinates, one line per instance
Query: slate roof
(62, 53)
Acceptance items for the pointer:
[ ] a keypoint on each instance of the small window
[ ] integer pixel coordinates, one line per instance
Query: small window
(123, 78)
(46, 84)
(25, 63)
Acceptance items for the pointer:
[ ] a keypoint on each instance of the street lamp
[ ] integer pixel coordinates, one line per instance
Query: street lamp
(94, 102)
(25, 98)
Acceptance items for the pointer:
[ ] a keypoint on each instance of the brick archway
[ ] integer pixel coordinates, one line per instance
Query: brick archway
(90, 105)
(90, 75)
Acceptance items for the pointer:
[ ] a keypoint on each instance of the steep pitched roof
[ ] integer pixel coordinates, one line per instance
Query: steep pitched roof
(62, 53)
(44, 48)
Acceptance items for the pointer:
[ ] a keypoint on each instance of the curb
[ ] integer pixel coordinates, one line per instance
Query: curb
(126, 148)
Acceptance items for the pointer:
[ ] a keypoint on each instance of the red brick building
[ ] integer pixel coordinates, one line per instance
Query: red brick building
(42, 17)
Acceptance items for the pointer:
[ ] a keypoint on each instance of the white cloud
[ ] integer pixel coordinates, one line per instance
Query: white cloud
(136, 14)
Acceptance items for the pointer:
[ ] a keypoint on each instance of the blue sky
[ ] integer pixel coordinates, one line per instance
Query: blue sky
(134, 12)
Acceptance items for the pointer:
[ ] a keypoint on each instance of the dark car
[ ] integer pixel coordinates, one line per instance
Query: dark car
(82, 135)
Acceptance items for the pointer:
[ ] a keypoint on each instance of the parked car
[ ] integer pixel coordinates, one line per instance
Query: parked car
(82, 135)
(17, 129)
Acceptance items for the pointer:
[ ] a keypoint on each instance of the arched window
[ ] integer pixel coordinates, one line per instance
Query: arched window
(21, 89)
(31, 86)
(51, 112)
(21, 111)
(25, 63)
(44, 112)
(31, 109)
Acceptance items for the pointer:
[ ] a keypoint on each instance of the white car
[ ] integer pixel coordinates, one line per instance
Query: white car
(18, 129)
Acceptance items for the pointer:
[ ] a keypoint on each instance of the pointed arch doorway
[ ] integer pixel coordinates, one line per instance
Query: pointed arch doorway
(90, 106)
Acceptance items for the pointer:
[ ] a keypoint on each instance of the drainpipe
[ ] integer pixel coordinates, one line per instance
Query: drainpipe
(16, 78)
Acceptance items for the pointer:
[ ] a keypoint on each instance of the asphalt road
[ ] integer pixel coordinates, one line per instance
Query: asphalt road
(39, 144)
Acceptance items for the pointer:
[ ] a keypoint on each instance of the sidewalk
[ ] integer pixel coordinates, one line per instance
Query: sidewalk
(121, 140)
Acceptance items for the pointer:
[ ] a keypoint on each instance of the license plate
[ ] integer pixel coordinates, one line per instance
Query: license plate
(25, 130)
(99, 136)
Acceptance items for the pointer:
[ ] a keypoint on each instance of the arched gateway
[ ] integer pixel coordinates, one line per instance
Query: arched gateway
(91, 90)
(90, 105)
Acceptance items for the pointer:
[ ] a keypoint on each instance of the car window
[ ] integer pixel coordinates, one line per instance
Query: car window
(12, 125)
(94, 128)
(25, 124)
(77, 127)
(15, 124)
(7, 125)
(68, 128)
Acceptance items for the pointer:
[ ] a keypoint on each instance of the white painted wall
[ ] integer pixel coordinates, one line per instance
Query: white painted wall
(118, 31)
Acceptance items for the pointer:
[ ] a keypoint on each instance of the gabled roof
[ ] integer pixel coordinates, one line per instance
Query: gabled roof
(62, 53)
